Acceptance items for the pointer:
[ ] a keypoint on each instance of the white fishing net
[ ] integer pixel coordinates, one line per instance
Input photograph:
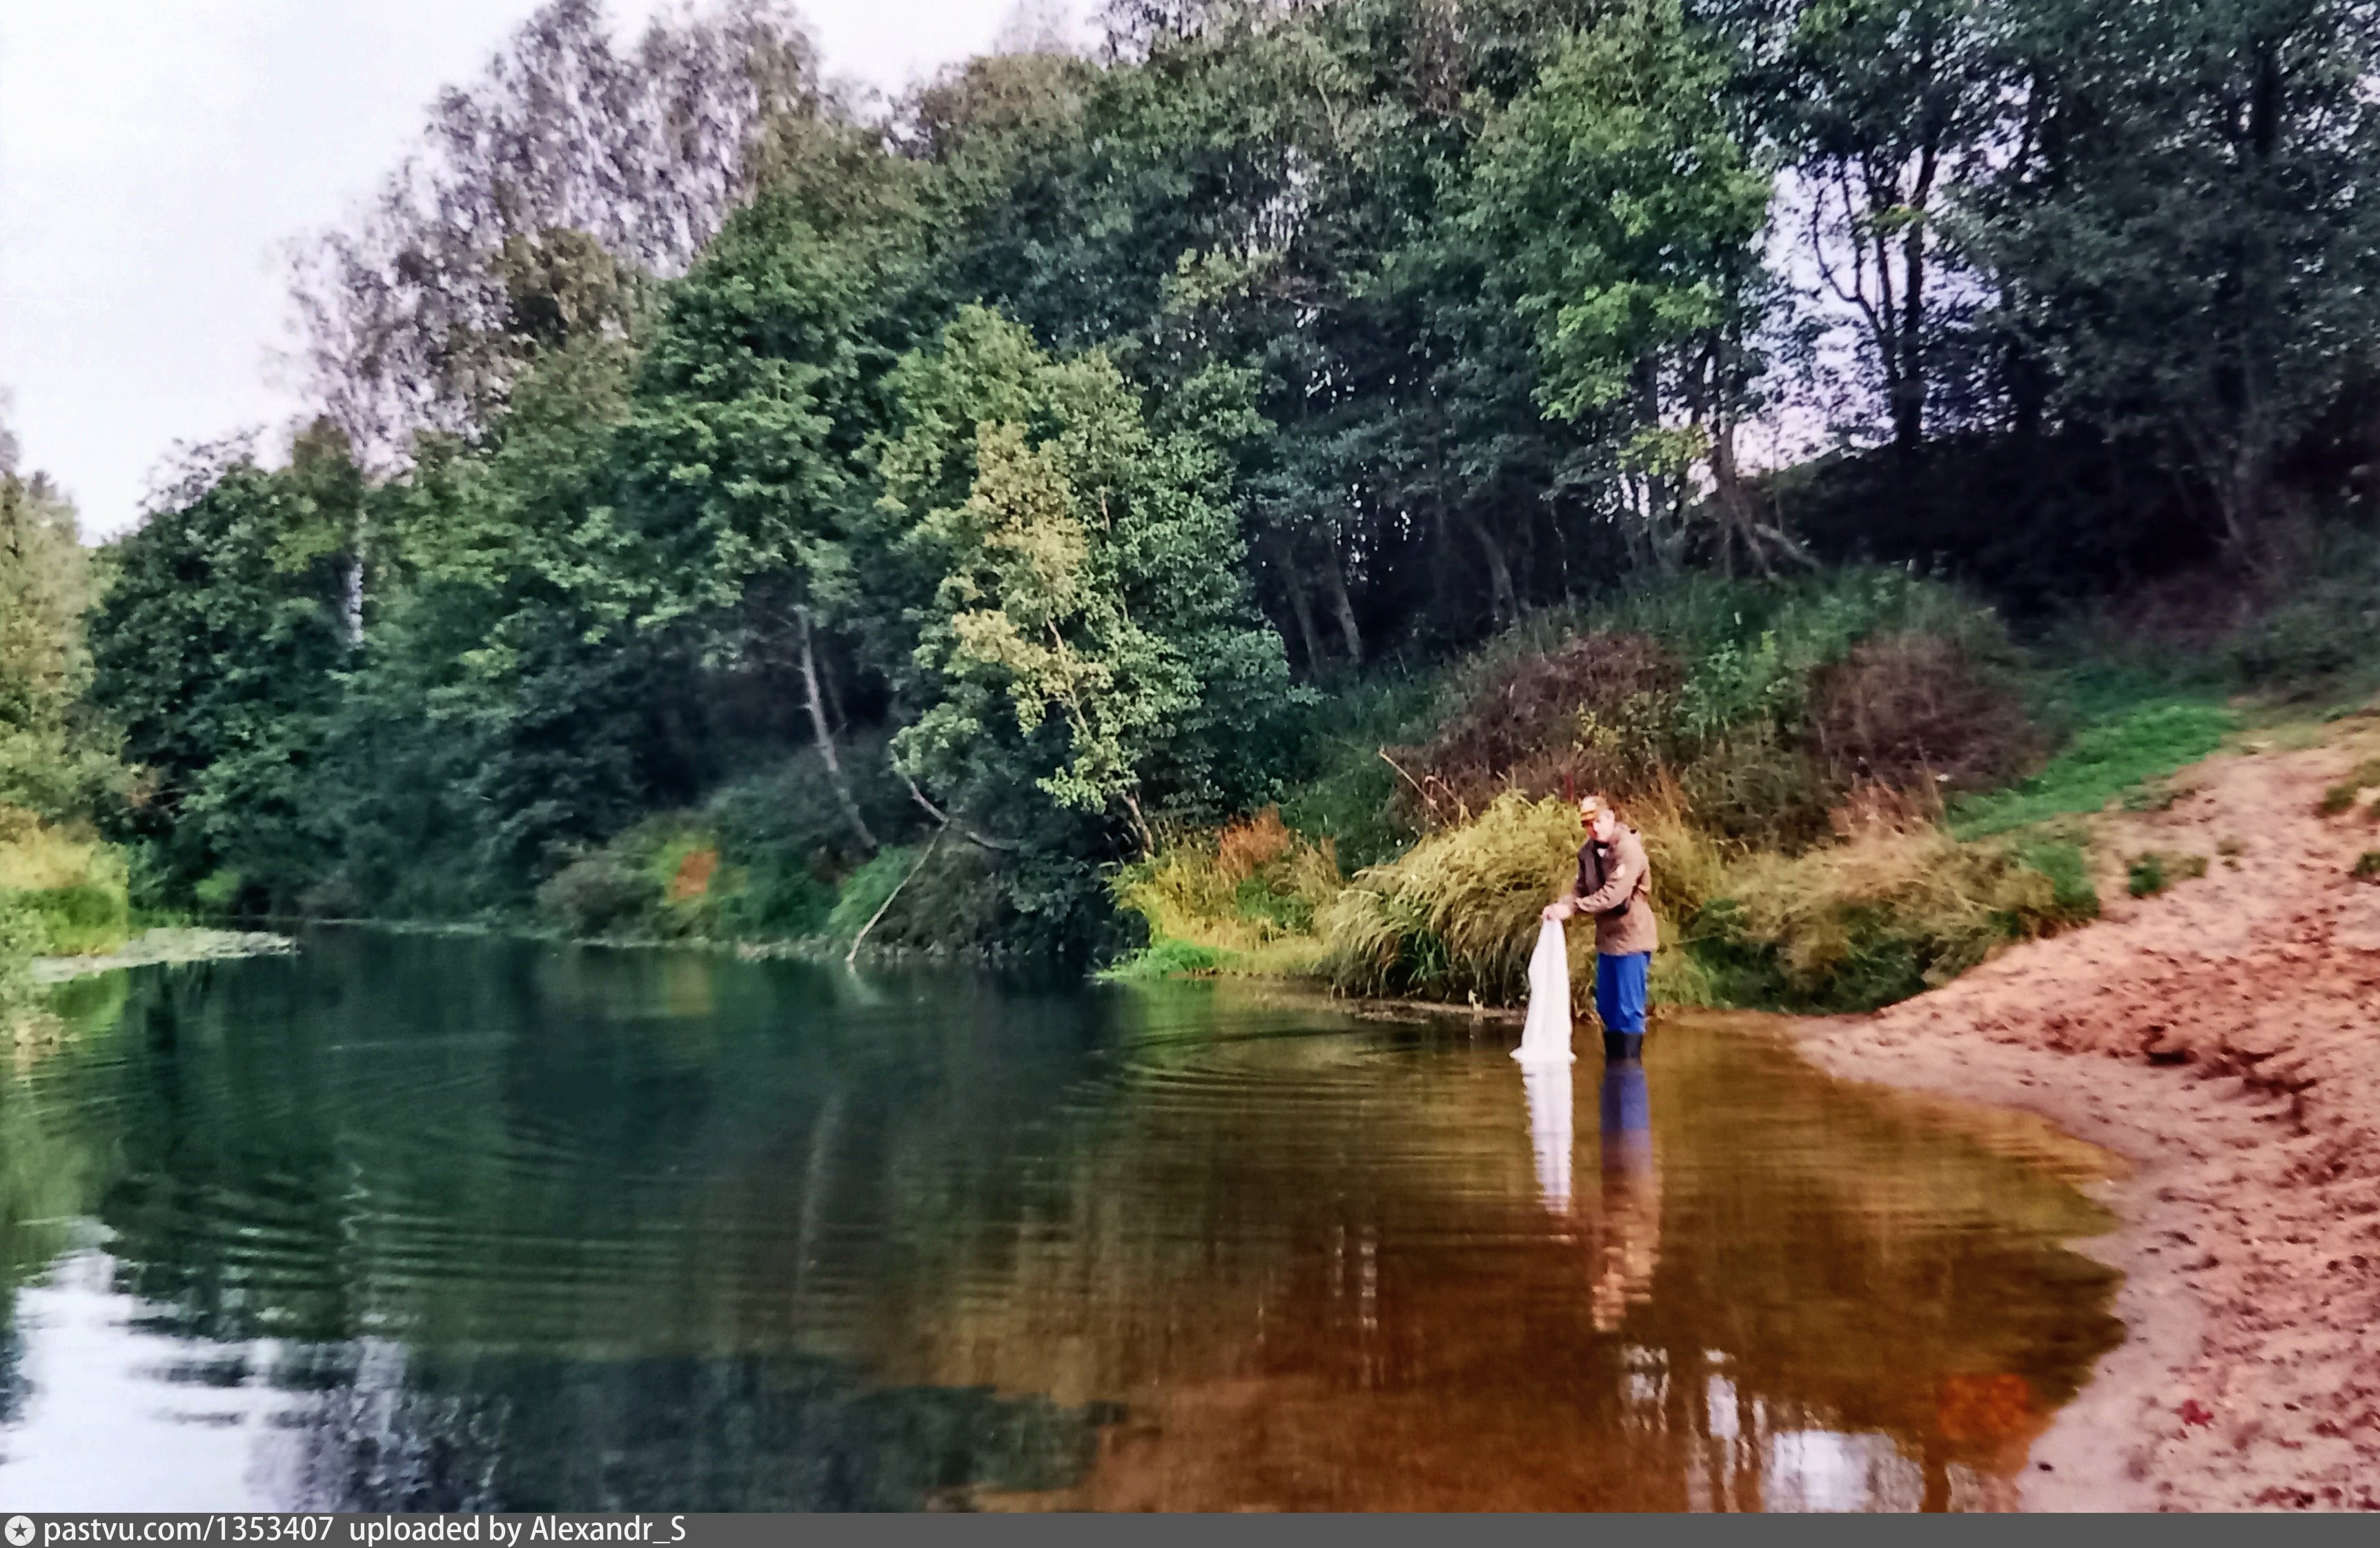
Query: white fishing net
(1545, 1037)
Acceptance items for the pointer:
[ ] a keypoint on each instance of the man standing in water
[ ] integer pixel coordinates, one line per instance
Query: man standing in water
(1613, 887)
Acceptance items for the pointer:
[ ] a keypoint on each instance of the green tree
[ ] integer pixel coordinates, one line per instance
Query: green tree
(763, 384)
(1620, 215)
(2184, 235)
(1889, 112)
(1090, 623)
(54, 759)
(215, 648)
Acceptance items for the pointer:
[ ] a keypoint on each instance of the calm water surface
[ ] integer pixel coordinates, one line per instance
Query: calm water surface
(404, 1224)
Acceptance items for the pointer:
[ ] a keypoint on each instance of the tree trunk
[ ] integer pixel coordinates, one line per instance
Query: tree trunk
(1334, 576)
(1909, 381)
(835, 717)
(2247, 495)
(825, 733)
(1502, 601)
(351, 584)
(1660, 549)
(1908, 376)
(1727, 487)
(1301, 606)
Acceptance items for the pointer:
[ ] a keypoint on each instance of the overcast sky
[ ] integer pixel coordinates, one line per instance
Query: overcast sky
(156, 155)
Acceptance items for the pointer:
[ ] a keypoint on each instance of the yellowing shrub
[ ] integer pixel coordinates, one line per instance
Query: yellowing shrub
(1244, 896)
(68, 889)
(1884, 913)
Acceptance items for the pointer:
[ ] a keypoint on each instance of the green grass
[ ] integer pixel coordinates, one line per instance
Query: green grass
(2341, 796)
(867, 888)
(81, 920)
(2073, 893)
(1167, 958)
(2105, 759)
(2152, 874)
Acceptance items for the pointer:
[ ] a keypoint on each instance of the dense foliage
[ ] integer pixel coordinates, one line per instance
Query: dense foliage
(905, 520)
(60, 890)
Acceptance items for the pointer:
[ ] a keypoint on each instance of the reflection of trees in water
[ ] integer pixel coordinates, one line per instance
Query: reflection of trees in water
(450, 1432)
(463, 1146)
(1316, 1268)
(1862, 1269)
(464, 1143)
(53, 1161)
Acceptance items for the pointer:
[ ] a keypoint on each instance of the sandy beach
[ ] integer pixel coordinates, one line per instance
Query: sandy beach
(2220, 1038)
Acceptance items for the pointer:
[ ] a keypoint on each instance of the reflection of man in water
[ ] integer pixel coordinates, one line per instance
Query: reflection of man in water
(1614, 887)
(1629, 1246)
(1548, 1086)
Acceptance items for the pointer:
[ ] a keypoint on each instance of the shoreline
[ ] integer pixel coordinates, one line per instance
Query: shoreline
(2221, 1041)
(165, 947)
(2220, 1038)
(2101, 1450)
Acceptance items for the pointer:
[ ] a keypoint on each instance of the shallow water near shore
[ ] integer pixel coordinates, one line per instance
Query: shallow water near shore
(405, 1223)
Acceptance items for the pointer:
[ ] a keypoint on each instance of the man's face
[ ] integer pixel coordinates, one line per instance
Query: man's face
(1598, 821)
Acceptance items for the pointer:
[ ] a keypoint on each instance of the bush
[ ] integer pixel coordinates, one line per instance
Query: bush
(1343, 790)
(87, 919)
(1245, 895)
(1594, 713)
(867, 890)
(1908, 710)
(597, 894)
(1167, 958)
(780, 899)
(219, 892)
(69, 890)
(2325, 632)
(1884, 915)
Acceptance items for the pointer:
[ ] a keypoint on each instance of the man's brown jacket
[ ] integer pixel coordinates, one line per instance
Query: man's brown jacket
(1615, 883)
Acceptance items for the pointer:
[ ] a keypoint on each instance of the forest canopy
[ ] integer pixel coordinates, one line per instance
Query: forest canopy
(994, 477)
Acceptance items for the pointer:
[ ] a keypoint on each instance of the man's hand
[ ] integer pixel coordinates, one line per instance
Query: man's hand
(1558, 911)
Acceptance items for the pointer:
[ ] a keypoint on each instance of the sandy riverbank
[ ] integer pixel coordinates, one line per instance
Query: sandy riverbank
(2224, 1039)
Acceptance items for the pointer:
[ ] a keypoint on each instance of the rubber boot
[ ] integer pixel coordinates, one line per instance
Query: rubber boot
(1621, 1046)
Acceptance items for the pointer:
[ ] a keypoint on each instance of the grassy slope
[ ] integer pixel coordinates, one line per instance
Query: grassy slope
(1849, 924)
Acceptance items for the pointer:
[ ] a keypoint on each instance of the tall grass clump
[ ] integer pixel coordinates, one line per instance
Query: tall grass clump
(1241, 897)
(67, 889)
(1456, 917)
(1884, 914)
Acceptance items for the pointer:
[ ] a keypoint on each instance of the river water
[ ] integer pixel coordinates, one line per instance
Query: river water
(424, 1224)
